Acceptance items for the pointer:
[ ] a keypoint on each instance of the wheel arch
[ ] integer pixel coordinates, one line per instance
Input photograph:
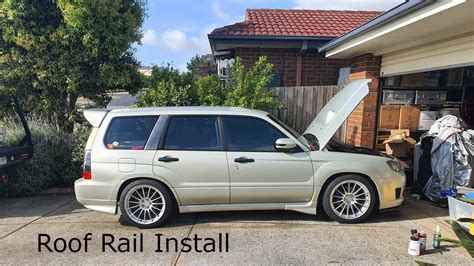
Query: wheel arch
(334, 176)
(133, 179)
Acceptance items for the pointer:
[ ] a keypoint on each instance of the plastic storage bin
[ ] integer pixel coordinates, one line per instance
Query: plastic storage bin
(460, 209)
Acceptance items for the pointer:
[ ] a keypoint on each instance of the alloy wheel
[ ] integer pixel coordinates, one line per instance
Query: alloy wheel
(144, 204)
(350, 199)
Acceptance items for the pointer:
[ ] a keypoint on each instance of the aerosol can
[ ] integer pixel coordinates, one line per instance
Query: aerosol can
(422, 240)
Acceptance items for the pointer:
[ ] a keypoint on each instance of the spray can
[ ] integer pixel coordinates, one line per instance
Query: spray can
(437, 238)
(422, 239)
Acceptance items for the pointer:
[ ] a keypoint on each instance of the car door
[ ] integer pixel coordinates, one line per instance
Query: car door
(259, 172)
(192, 158)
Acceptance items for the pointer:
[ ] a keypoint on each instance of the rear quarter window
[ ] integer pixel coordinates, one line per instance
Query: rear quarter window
(129, 133)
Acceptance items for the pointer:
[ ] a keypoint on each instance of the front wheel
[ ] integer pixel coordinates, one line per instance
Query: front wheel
(145, 203)
(349, 199)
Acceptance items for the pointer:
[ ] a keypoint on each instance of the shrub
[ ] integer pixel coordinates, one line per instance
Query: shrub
(55, 162)
(210, 91)
(247, 86)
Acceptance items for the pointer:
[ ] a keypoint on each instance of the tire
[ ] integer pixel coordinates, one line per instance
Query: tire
(354, 209)
(145, 203)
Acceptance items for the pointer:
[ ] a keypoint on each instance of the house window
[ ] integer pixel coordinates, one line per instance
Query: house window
(276, 80)
(223, 67)
(343, 77)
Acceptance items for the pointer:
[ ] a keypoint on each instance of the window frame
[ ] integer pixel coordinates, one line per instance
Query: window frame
(130, 116)
(295, 150)
(220, 136)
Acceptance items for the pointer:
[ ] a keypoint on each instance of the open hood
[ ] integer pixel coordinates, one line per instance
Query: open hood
(336, 111)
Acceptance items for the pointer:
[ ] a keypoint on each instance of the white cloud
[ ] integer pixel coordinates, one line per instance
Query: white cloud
(149, 37)
(218, 11)
(176, 40)
(379, 5)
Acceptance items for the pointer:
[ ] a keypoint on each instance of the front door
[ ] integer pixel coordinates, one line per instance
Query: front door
(193, 159)
(259, 172)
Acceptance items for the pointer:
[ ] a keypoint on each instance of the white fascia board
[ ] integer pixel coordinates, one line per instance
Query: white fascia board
(430, 10)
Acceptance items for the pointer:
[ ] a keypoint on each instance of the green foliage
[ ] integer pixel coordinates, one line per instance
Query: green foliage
(52, 52)
(168, 87)
(201, 66)
(247, 86)
(210, 91)
(56, 161)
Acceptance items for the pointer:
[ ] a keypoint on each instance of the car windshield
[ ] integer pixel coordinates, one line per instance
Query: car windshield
(301, 138)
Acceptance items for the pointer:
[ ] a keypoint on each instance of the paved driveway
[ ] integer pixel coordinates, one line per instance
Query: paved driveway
(264, 237)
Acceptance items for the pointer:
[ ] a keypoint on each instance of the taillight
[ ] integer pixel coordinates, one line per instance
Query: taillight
(86, 169)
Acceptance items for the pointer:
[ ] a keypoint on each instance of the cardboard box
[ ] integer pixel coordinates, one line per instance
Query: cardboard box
(399, 144)
(389, 115)
(427, 119)
(409, 117)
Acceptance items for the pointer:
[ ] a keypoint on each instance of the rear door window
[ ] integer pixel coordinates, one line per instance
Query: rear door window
(193, 133)
(130, 132)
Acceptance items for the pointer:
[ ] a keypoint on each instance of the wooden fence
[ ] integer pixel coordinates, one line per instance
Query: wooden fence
(302, 104)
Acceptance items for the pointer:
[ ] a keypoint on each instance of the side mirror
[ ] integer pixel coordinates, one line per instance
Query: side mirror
(285, 144)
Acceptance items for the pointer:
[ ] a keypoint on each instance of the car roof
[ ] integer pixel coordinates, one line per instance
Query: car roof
(190, 110)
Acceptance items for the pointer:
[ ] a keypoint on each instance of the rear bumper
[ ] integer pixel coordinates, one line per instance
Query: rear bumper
(98, 196)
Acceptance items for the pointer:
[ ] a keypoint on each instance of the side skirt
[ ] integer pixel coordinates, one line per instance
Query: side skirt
(303, 207)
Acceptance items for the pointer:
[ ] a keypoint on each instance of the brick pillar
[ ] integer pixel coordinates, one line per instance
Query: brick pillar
(361, 124)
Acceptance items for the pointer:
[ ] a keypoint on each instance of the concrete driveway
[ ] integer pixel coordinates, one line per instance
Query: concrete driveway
(265, 237)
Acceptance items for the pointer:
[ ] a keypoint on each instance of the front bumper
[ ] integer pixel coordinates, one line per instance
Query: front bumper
(96, 195)
(391, 190)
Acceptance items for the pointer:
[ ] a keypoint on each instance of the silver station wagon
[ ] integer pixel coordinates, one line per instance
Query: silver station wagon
(151, 161)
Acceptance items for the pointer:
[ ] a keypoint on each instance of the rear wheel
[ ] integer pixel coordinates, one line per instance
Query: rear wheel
(145, 203)
(349, 199)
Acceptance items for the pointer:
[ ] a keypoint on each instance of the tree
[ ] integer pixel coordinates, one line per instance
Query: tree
(52, 52)
(210, 91)
(201, 66)
(247, 86)
(169, 87)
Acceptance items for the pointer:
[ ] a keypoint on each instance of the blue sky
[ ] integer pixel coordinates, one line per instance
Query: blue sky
(176, 30)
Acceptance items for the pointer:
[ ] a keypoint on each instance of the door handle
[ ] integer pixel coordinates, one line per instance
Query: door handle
(244, 160)
(168, 159)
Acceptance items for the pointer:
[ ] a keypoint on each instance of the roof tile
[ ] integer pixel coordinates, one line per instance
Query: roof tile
(294, 22)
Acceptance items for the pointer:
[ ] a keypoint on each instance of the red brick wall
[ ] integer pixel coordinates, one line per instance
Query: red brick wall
(317, 70)
(361, 124)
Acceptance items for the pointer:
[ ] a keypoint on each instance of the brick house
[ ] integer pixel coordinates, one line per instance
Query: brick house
(418, 48)
(289, 39)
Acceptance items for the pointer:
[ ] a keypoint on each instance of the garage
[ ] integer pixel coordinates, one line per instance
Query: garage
(420, 57)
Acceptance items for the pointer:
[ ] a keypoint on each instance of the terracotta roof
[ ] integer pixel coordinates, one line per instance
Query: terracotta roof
(294, 22)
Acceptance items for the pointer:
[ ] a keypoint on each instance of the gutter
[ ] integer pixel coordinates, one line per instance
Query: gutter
(389, 16)
(271, 37)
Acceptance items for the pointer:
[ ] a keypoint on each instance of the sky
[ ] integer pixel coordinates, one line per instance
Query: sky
(176, 30)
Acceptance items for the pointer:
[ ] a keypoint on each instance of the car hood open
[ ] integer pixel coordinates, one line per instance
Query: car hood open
(336, 111)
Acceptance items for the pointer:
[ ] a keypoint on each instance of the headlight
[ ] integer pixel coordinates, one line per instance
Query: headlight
(395, 165)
